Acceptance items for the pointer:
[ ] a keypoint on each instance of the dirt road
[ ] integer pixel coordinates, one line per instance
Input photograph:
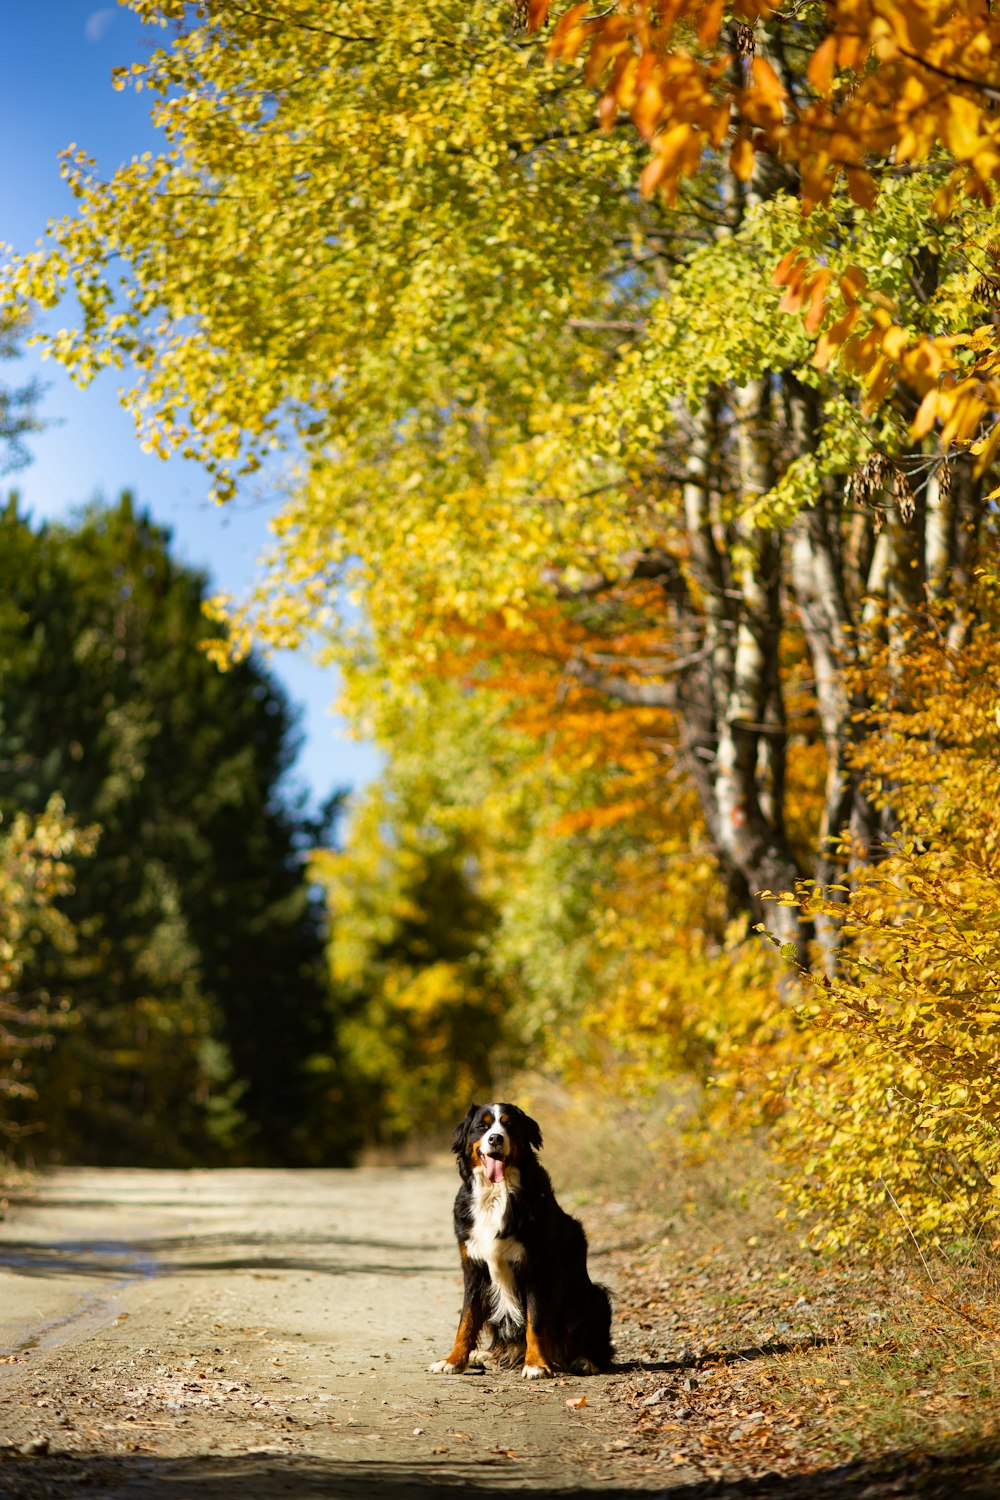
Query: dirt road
(256, 1333)
(247, 1335)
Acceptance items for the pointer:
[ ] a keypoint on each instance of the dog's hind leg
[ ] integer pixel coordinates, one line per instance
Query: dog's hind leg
(537, 1363)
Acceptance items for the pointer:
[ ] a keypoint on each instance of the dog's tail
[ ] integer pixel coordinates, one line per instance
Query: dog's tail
(505, 1349)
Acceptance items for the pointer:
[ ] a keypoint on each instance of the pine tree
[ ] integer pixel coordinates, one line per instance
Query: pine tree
(197, 987)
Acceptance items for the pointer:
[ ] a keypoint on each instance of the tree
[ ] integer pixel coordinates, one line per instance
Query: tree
(35, 874)
(893, 1122)
(820, 93)
(421, 1020)
(196, 982)
(695, 427)
(859, 92)
(265, 274)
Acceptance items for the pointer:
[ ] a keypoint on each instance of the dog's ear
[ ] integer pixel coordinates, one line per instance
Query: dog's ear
(532, 1130)
(460, 1140)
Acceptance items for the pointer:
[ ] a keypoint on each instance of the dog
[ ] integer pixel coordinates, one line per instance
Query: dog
(524, 1259)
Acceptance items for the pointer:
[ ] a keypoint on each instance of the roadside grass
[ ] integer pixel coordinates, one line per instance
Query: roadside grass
(917, 1365)
(743, 1350)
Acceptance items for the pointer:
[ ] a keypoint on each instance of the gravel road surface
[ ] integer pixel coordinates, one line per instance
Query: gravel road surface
(267, 1333)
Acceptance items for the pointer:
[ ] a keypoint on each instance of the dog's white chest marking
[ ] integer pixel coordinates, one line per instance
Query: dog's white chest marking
(502, 1254)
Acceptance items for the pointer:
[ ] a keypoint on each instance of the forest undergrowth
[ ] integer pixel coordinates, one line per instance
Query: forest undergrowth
(747, 1352)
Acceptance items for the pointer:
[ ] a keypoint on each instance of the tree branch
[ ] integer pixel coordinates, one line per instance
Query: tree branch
(641, 694)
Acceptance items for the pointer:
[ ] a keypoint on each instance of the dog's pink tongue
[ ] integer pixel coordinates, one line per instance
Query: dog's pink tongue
(494, 1168)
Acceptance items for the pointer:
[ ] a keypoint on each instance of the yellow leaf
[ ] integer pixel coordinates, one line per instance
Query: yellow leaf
(986, 449)
(962, 122)
(895, 341)
(741, 158)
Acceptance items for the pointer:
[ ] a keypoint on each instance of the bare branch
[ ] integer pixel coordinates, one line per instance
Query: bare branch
(616, 325)
(646, 694)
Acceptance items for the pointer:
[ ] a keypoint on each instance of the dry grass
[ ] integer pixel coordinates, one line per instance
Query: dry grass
(768, 1356)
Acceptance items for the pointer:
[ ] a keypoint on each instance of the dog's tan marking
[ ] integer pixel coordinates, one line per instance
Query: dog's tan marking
(536, 1366)
(467, 1337)
(469, 1328)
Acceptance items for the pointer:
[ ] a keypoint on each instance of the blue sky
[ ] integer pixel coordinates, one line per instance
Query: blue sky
(55, 88)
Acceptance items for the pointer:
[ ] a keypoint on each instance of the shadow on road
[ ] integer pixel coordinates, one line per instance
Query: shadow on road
(972, 1473)
(180, 1254)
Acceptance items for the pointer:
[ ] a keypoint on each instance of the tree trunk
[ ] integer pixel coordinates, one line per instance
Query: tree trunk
(750, 758)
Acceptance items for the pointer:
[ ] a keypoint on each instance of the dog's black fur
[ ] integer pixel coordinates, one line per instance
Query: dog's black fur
(524, 1259)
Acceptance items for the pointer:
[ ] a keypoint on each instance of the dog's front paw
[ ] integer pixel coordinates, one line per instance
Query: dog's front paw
(536, 1372)
(445, 1367)
(583, 1366)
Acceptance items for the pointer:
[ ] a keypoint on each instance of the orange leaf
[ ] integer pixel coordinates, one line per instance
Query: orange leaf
(717, 123)
(832, 340)
(768, 86)
(821, 65)
(610, 42)
(647, 110)
(862, 187)
(607, 111)
(711, 20)
(569, 35)
(817, 301)
(674, 156)
(851, 282)
(825, 351)
(783, 270)
(851, 50)
(653, 174)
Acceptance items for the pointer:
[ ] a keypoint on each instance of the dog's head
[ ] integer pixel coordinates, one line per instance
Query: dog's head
(492, 1139)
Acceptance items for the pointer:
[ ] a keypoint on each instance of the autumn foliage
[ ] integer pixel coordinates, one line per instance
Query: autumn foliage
(897, 1087)
(630, 377)
(36, 873)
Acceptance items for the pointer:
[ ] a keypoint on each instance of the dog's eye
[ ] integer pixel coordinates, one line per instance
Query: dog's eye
(504, 1120)
(487, 1119)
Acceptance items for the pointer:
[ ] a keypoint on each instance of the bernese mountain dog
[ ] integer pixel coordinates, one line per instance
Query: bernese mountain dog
(523, 1258)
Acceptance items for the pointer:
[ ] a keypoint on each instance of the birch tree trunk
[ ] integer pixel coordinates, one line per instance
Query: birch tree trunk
(750, 760)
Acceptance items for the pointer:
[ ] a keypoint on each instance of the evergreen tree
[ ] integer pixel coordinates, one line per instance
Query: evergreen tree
(198, 982)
